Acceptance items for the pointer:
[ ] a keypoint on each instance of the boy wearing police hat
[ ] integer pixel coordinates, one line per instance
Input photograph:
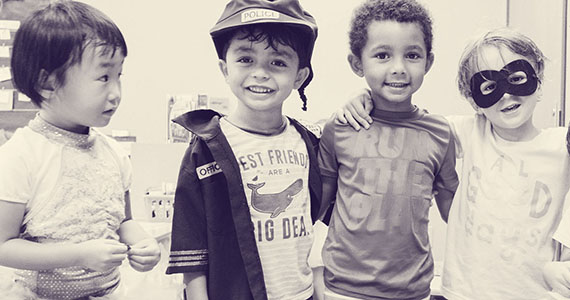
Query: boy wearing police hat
(249, 186)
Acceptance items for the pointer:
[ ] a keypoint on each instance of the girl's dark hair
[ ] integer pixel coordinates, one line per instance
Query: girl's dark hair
(54, 38)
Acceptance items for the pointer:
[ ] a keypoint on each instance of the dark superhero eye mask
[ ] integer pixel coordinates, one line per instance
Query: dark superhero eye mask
(516, 78)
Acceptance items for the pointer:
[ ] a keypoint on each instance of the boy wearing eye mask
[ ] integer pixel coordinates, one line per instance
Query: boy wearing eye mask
(513, 179)
(513, 176)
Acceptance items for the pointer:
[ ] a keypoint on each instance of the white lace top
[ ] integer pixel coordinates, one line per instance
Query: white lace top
(73, 186)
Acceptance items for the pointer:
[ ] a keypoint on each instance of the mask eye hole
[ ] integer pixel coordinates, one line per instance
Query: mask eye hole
(488, 87)
(517, 78)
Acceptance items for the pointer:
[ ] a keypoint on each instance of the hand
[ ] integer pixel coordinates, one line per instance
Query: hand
(144, 255)
(557, 276)
(101, 254)
(357, 111)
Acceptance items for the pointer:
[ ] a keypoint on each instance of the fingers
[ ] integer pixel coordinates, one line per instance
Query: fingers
(144, 263)
(116, 247)
(144, 251)
(368, 107)
(340, 116)
(141, 267)
(360, 114)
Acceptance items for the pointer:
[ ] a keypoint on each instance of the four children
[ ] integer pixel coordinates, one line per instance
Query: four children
(250, 184)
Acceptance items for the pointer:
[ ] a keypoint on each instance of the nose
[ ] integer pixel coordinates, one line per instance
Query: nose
(507, 96)
(398, 66)
(260, 73)
(114, 95)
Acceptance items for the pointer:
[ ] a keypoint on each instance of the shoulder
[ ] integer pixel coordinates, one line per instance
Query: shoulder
(555, 132)
(311, 131)
(24, 143)
(203, 122)
(435, 124)
(112, 144)
(553, 137)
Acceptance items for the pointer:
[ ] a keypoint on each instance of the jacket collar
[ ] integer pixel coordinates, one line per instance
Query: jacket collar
(205, 123)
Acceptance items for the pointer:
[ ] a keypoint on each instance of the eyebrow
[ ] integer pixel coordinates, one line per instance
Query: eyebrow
(247, 49)
(415, 47)
(107, 64)
(284, 53)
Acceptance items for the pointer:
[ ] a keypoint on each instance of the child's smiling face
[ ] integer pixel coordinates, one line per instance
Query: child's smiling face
(512, 115)
(260, 76)
(394, 62)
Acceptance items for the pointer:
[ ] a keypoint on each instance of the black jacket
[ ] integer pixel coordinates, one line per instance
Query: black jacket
(212, 229)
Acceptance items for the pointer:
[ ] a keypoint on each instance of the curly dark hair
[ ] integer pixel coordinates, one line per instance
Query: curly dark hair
(404, 11)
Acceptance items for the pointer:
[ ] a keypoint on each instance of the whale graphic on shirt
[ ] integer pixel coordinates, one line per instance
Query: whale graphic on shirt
(274, 203)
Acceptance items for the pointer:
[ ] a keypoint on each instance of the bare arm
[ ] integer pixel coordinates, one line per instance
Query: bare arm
(130, 231)
(329, 197)
(318, 283)
(145, 252)
(329, 193)
(196, 286)
(22, 254)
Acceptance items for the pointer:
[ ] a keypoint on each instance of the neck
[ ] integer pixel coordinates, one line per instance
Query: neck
(258, 122)
(524, 133)
(62, 124)
(385, 105)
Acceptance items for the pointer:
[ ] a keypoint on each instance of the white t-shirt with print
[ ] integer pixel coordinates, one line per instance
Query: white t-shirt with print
(275, 172)
(504, 213)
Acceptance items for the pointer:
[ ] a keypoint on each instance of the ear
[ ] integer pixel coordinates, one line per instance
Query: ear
(223, 67)
(429, 61)
(356, 65)
(46, 84)
(302, 75)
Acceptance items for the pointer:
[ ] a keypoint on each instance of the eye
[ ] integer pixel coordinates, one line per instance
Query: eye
(413, 56)
(488, 87)
(104, 78)
(517, 78)
(244, 60)
(382, 55)
(279, 63)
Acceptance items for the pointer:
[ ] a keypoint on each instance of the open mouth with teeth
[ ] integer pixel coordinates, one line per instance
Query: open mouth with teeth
(510, 108)
(259, 90)
(396, 84)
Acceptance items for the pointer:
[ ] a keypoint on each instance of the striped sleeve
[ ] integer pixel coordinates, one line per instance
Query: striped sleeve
(189, 243)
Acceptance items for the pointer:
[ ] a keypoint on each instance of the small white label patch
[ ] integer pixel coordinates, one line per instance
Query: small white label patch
(257, 14)
(208, 170)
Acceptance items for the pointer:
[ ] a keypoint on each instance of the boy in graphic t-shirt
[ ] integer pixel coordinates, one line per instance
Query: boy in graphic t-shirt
(382, 180)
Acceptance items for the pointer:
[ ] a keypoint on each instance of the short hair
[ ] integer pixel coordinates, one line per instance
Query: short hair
(274, 34)
(54, 38)
(403, 11)
(513, 40)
